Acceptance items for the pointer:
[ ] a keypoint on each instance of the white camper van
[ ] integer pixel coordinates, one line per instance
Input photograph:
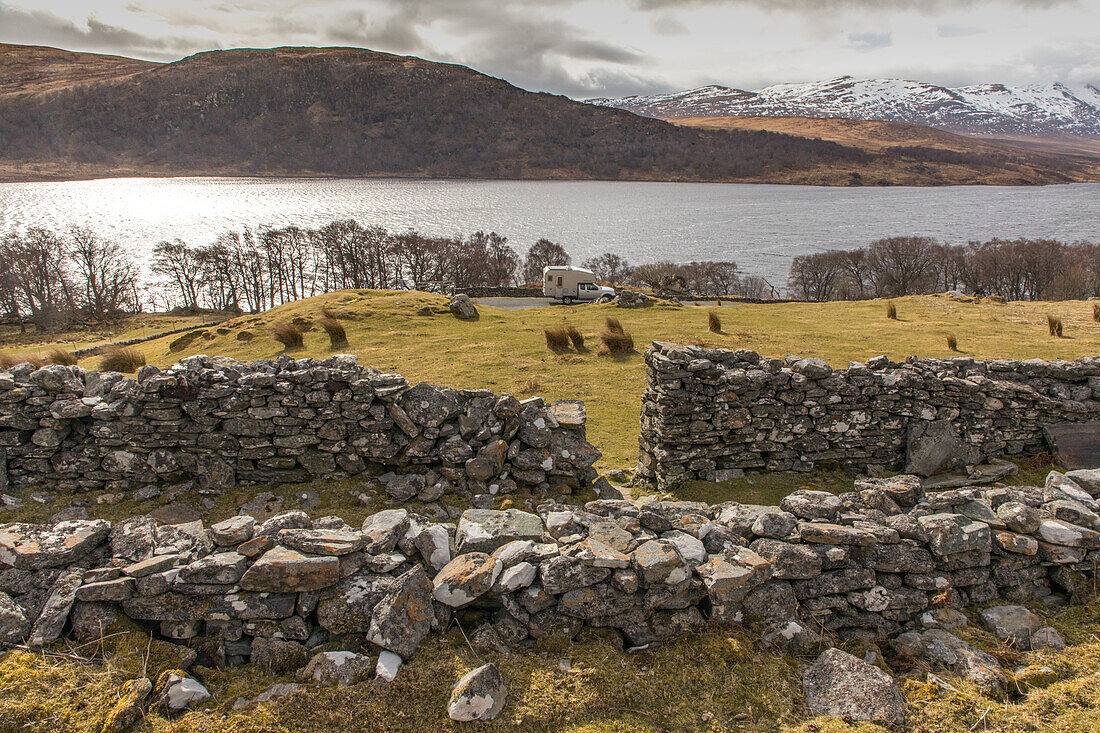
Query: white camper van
(569, 284)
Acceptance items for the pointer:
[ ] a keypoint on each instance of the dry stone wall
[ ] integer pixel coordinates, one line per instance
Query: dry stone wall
(217, 422)
(708, 412)
(882, 560)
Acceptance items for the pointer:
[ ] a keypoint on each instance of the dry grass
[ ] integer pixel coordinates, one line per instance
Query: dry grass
(557, 338)
(891, 311)
(714, 322)
(952, 342)
(576, 337)
(1054, 324)
(60, 356)
(329, 313)
(288, 334)
(1096, 312)
(120, 359)
(336, 335)
(615, 341)
(7, 361)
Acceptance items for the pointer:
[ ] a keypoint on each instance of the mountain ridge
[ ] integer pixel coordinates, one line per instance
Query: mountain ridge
(994, 109)
(350, 112)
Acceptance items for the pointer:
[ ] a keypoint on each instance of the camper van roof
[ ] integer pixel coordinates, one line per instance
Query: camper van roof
(570, 268)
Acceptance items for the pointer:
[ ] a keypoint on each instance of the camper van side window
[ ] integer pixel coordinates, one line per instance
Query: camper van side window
(559, 282)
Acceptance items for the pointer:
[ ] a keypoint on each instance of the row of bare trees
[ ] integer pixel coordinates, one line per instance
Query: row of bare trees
(258, 270)
(1018, 269)
(48, 278)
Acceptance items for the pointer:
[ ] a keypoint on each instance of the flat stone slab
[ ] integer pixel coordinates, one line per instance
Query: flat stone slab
(1076, 445)
(985, 473)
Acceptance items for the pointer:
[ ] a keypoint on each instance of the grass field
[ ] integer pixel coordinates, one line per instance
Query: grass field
(712, 681)
(506, 351)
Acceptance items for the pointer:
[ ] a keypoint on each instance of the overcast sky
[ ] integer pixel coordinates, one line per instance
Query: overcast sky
(613, 47)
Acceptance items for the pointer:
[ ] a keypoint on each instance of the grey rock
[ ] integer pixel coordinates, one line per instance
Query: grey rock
(479, 695)
(841, 686)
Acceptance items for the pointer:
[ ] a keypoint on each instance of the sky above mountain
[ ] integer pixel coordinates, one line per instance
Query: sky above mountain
(612, 47)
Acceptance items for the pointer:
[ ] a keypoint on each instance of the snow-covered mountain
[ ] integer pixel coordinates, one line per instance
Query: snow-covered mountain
(984, 108)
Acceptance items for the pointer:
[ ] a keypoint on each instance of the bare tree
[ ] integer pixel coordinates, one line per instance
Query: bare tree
(609, 268)
(181, 268)
(38, 268)
(543, 253)
(105, 274)
(902, 265)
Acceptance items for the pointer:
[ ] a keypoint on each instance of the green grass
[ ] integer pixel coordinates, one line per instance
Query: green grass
(506, 350)
(123, 328)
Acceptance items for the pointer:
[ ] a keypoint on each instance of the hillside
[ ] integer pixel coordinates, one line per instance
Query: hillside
(988, 109)
(963, 152)
(353, 112)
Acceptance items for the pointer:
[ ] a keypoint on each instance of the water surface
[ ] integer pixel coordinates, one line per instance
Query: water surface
(761, 227)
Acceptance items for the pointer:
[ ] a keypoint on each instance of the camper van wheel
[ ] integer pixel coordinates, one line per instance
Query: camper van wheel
(567, 300)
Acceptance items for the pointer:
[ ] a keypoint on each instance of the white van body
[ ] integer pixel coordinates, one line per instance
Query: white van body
(568, 284)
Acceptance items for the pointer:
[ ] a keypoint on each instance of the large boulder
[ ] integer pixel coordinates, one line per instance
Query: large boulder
(466, 578)
(1019, 626)
(479, 695)
(36, 546)
(403, 617)
(842, 686)
(462, 307)
(484, 530)
(947, 651)
(336, 668)
(281, 570)
(935, 447)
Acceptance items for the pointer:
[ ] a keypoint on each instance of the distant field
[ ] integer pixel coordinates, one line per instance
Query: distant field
(506, 351)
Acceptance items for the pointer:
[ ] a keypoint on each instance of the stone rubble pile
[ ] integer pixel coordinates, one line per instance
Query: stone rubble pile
(708, 413)
(210, 423)
(884, 560)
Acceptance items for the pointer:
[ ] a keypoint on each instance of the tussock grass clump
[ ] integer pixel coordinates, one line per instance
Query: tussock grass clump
(576, 337)
(891, 311)
(613, 325)
(1096, 312)
(615, 343)
(60, 356)
(119, 359)
(952, 342)
(335, 330)
(288, 334)
(7, 361)
(557, 338)
(1054, 324)
(714, 322)
(329, 313)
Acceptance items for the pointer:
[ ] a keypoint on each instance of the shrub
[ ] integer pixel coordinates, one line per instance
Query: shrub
(576, 337)
(714, 322)
(557, 338)
(615, 343)
(119, 359)
(891, 311)
(60, 356)
(288, 334)
(336, 334)
(952, 342)
(1096, 312)
(613, 325)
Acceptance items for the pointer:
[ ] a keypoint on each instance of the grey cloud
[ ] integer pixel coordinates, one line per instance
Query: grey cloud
(956, 31)
(813, 6)
(666, 24)
(43, 28)
(869, 41)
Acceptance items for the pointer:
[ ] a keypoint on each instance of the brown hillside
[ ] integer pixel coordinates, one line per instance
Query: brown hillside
(36, 69)
(353, 112)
